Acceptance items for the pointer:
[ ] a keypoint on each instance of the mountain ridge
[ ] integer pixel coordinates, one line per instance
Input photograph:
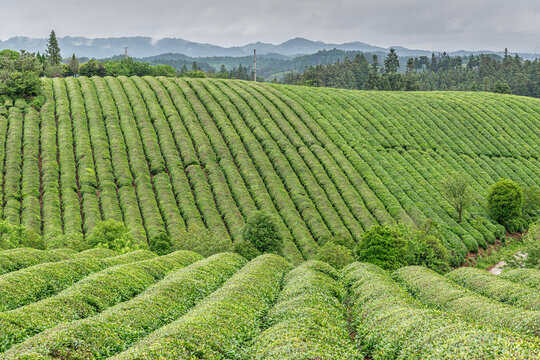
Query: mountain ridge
(141, 46)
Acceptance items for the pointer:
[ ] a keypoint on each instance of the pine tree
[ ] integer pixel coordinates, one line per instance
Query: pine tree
(74, 65)
(53, 50)
(391, 63)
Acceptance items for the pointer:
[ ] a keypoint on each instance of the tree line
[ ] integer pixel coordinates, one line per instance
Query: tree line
(507, 74)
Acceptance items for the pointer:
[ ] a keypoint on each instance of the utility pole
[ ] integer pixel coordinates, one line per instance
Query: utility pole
(254, 65)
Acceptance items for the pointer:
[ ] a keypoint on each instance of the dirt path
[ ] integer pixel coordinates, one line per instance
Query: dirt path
(497, 269)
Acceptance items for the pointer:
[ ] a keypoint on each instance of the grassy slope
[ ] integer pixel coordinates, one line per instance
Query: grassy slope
(164, 155)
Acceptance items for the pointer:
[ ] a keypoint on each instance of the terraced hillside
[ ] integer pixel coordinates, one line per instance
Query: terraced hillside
(164, 155)
(181, 306)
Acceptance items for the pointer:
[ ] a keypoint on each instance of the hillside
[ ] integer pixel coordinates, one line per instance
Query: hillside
(165, 155)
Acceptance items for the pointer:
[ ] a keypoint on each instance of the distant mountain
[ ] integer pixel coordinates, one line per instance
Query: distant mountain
(145, 46)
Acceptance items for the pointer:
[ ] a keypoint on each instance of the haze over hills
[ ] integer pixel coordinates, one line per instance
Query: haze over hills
(146, 46)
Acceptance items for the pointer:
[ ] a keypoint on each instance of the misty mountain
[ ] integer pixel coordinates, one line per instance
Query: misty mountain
(146, 46)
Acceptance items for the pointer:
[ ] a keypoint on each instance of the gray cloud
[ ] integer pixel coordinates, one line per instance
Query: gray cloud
(427, 24)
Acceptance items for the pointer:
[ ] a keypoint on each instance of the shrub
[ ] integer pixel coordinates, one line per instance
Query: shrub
(160, 244)
(12, 236)
(383, 246)
(70, 241)
(531, 202)
(113, 235)
(531, 248)
(505, 201)
(336, 255)
(262, 232)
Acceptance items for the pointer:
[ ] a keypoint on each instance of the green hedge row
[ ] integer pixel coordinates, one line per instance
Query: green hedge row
(163, 114)
(493, 286)
(528, 277)
(220, 326)
(68, 184)
(390, 324)
(256, 171)
(3, 136)
(250, 134)
(263, 120)
(31, 208)
(199, 124)
(124, 180)
(308, 320)
(442, 293)
(84, 156)
(315, 142)
(99, 143)
(199, 182)
(13, 167)
(37, 282)
(288, 128)
(140, 167)
(323, 119)
(50, 173)
(88, 297)
(120, 326)
(161, 181)
(16, 259)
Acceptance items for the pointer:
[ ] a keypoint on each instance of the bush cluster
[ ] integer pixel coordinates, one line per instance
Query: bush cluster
(120, 326)
(93, 294)
(390, 324)
(37, 282)
(220, 325)
(442, 293)
(308, 320)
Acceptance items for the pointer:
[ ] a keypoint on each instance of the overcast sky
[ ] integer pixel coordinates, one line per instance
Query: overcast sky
(420, 24)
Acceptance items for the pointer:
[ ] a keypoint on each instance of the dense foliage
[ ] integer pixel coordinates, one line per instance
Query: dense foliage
(505, 201)
(19, 73)
(506, 75)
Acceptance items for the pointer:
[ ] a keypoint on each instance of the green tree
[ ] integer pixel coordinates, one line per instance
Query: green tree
(261, 234)
(505, 201)
(458, 192)
(53, 50)
(391, 63)
(19, 74)
(501, 87)
(74, 65)
(383, 246)
(112, 235)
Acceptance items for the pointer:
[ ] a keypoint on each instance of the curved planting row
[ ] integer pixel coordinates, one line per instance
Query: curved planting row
(221, 325)
(390, 324)
(528, 277)
(88, 297)
(69, 180)
(496, 288)
(120, 326)
(19, 288)
(168, 155)
(307, 321)
(16, 259)
(442, 293)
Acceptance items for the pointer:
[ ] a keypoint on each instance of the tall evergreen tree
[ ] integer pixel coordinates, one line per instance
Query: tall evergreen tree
(391, 63)
(74, 65)
(53, 50)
